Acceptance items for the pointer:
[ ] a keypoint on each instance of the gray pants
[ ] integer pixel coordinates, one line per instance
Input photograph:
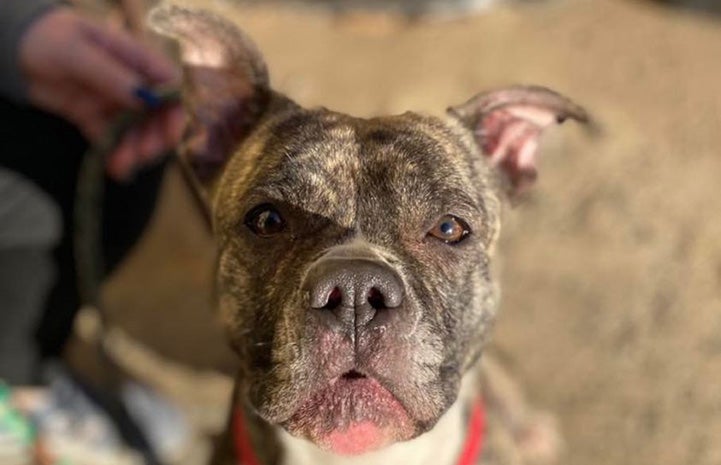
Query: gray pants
(30, 226)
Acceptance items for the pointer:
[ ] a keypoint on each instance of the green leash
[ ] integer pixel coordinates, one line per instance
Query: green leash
(88, 243)
(90, 194)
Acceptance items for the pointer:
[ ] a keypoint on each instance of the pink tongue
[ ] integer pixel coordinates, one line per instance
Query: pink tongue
(356, 439)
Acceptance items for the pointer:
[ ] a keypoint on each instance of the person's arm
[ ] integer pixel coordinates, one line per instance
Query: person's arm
(15, 17)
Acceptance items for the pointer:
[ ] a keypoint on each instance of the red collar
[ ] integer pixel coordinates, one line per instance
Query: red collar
(469, 455)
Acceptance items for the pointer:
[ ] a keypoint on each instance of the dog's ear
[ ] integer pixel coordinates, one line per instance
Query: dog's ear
(508, 123)
(225, 89)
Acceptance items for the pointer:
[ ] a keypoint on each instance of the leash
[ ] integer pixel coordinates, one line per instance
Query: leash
(470, 454)
(91, 189)
(87, 238)
(90, 194)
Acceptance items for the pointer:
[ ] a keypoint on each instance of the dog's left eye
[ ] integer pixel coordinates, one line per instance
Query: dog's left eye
(450, 229)
(264, 220)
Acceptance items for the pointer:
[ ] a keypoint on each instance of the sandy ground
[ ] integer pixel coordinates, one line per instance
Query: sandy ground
(611, 269)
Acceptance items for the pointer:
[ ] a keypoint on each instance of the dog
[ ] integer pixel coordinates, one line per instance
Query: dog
(354, 270)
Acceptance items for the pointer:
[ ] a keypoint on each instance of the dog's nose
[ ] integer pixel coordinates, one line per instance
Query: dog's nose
(354, 289)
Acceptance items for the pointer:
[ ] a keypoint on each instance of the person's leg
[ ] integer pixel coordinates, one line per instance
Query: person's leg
(29, 229)
(48, 151)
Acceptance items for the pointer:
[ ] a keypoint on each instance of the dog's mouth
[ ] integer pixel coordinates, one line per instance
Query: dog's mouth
(353, 375)
(352, 414)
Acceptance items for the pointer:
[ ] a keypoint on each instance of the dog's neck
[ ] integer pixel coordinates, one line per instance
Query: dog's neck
(440, 446)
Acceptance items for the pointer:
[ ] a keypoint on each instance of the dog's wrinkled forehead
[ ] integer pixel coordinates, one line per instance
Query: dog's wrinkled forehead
(229, 100)
(346, 168)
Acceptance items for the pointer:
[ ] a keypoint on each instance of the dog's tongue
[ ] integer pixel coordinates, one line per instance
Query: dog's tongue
(353, 416)
(356, 439)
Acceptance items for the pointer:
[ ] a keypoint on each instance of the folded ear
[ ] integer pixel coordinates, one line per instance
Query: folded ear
(225, 84)
(508, 123)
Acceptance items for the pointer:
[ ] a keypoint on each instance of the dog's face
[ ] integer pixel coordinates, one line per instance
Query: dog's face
(354, 272)
(354, 266)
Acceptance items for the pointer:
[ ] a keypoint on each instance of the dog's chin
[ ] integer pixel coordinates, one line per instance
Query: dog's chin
(352, 415)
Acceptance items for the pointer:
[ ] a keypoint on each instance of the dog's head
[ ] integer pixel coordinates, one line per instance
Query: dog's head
(354, 254)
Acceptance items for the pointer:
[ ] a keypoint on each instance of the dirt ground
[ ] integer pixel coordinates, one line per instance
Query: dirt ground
(611, 270)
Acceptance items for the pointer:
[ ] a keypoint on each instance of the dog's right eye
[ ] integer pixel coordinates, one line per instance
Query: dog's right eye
(264, 220)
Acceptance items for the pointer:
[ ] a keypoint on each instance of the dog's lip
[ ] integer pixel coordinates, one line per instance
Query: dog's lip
(351, 376)
(358, 374)
(352, 403)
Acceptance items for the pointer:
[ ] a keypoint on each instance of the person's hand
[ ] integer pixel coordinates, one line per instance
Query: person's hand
(88, 74)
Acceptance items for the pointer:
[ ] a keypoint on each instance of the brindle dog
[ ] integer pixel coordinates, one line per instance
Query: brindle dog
(354, 272)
